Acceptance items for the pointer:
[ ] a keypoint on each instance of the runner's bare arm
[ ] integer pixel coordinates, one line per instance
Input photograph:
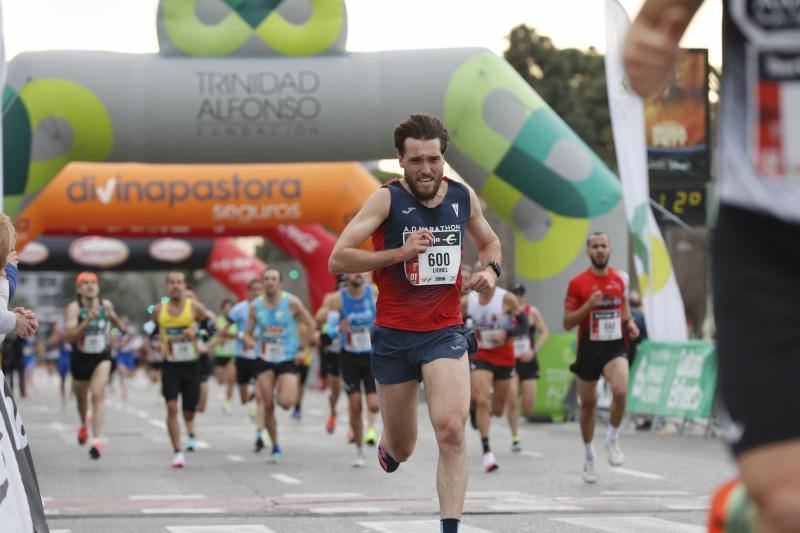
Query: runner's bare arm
(251, 325)
(464, 307)
(348, 258)
(512, 306)
(651, 45)
(486, 242)
(303, 316)
(113, 316)
(75, 329)
(201, 312)
(542, 331)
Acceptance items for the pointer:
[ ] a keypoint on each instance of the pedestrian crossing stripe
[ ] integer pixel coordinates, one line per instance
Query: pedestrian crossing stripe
(630, 524)
(242, 528)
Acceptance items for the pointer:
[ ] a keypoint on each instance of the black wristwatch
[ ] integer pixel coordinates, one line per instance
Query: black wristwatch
(495, 267)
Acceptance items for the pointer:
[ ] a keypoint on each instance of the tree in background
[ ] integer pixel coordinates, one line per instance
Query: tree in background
(571, 81)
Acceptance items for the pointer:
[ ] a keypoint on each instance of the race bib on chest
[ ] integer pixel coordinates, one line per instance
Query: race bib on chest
(272, 349)
(358, 339)
(522, 346)
(229, 346)
(440, 263)
(606, 325)
(182, 350)
(773, 85)
(94, 343)
(489, 338)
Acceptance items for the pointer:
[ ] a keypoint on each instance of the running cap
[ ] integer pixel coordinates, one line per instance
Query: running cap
(517, 288)
(86, 276)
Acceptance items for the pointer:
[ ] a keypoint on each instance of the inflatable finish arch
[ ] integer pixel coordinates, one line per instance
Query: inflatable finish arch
(327, 106)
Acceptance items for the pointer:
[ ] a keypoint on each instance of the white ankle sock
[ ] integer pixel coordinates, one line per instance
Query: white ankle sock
(589, 451)
(612, 433)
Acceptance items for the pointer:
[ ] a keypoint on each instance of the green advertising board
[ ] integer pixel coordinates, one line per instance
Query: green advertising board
(673, 378)
(555, 378)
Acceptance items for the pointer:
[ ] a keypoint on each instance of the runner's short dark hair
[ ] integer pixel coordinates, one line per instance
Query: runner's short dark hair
(422, 127)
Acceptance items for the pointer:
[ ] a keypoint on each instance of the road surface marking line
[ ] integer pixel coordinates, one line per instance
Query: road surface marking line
(532, 454)
(183, 510)
(283, 478)
(242, 528)
(636, 473)
(324, 495)
(235, 458)
(148, 497)
(158, 423)
(349, 509)
(630, 524)
(646, 493)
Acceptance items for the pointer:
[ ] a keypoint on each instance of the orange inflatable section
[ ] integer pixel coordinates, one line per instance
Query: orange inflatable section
(135, 199)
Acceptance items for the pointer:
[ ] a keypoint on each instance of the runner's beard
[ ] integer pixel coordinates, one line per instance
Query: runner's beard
(412, 184)
(599, 264)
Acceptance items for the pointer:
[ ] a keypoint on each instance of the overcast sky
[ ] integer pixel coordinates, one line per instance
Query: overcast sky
(129, 25)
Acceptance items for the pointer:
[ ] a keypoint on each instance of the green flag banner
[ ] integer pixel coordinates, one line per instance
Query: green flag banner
(555, 377)
(673, 378)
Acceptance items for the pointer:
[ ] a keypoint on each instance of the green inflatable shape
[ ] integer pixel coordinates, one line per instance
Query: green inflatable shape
(254, 11)
(521, 162)
(16, 143)
(199, 39)
(316, 35)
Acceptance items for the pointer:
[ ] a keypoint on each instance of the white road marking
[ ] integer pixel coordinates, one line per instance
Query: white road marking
(414, 526)
(60, 531)
(183, 510)
(284, 478)
(500, 494)
(158, 423)
(203, 445)
(636, 473)
(129, 409)
(532, 454)
(687, 506)
(630, 524)
(646, 493)
(523, 506)
(235, 458)
(142, 414)
(243, 528)
(314, 412)
(362, 509)
(149, 497)
(324, 495)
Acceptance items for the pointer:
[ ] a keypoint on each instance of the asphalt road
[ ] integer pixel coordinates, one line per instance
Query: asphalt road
(664, 485)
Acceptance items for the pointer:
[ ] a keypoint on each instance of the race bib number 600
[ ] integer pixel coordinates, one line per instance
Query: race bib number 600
(440, 263)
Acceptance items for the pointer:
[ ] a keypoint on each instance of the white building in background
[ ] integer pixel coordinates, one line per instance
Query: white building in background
(42, 292)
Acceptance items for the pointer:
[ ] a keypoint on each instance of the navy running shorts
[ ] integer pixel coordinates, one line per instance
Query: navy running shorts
(398, 355)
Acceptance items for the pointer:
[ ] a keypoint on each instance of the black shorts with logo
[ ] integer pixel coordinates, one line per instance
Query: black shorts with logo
(246, 369)
(82, 365)
(356, 369)
(329, 363)
(756, 290)
(286, 367)
(184, 379)
(499, 373)
(205, 366)
(221, 361)
(592, 358)
(528, 369)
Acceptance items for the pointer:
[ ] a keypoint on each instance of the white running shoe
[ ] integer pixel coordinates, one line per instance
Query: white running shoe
(615, 455)
(589, 475)
(359, 461)
(489, 462)
(179, 461)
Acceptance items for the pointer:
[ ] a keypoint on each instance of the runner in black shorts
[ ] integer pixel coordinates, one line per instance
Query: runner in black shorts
(355, 306)
(755, 259)
(177, 321)
(206, 330)
(223, 345)
(597, 302)
(88, 322)
(330, 348)
(417, 224)
(526, 347)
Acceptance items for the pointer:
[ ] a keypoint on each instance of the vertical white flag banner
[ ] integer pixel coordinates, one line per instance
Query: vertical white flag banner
(661, 298)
